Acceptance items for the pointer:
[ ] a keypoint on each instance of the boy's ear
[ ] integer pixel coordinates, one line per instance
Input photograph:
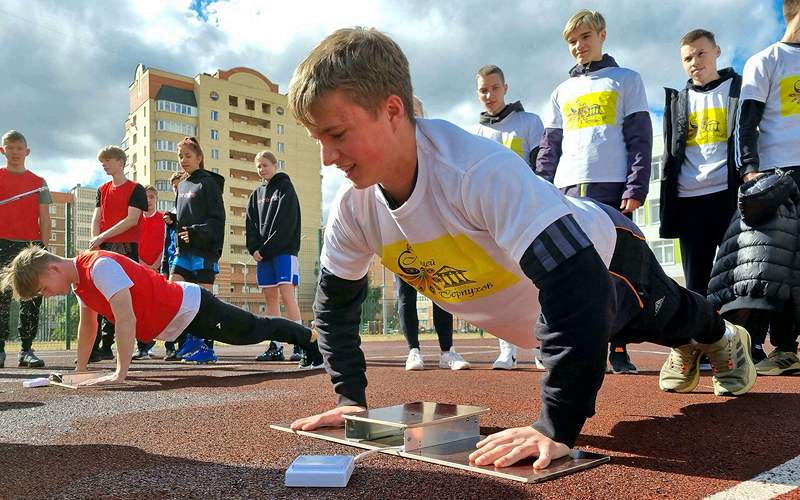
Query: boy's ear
(2, 150)
(602, 35)
(394, 107)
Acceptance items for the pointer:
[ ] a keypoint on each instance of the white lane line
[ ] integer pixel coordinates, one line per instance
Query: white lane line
(777, 481)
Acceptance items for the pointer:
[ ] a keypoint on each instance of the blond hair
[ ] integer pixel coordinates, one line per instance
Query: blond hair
(268, 155)
(151, 189)
(364, 63)
(14, 136)
(584, 17)
(112, 153)
(418, 105)
(791, 8)
(491, 69)
(22, 274)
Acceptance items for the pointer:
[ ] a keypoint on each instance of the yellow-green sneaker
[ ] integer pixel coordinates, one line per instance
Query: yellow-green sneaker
(779, 363)
(681, 370)
(731, 362)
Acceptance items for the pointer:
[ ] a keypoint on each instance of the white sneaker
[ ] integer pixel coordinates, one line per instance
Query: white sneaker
(453, 360)
(507, 360)
(537, 359)
(414, 361)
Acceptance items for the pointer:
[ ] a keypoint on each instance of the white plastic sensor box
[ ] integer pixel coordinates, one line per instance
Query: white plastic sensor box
(320, 471)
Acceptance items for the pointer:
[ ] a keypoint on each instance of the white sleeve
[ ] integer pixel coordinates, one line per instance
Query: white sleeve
(345, 251)
(502, 195)
(535, 131)
(635, 98)
(756, 79)
(553, 116)
(109, 277)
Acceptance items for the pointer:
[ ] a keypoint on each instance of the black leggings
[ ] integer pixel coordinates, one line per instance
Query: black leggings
(218, 320)
(28, 309)
(409, 322)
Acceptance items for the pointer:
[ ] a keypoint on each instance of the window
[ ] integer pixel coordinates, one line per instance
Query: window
(134, 139)
(655, 207)
(279, 129)
(281, 147)
(145, 112)
(250, 104)
(215, 170)
(52, 223)
(144, 133)
(664, 251)
(265, 108)
(215, 116)
(215, 154)
(165, 205)
(639, 217)
(163, 185)
(214, 134)
(655, 170)
(233, 100)
(53, 236)
(281, 164)
(174, 107)
(52, 209)
(167, 165)
(177, 127)
(162, 145)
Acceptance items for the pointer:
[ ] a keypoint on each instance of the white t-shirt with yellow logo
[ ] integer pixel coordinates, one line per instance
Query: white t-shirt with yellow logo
(520, 132)
(475, 209)
(705, 168)
(590, 110)
(772, 76)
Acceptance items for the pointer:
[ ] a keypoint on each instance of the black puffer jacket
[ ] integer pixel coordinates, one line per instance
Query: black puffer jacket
(758, 263)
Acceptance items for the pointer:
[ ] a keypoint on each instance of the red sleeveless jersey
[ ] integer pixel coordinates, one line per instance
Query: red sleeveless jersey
(20, 218)
(155, 300)
(114, 208)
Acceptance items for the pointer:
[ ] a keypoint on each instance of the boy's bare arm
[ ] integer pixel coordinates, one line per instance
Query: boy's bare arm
(120, 227)
(44, 223)
(125, 331)
(87, 331)
(96, 222)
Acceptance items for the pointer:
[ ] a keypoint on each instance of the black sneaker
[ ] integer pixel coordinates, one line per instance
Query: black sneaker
(105, 354)
(620, 361)
(141, 354)
(2, 359)
(297, 354)
(172, 355)
(273, 353)
(29, 359)
(758, 353)
(312, 358)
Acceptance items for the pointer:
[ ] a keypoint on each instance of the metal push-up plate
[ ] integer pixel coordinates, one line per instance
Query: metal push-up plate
(442, 434)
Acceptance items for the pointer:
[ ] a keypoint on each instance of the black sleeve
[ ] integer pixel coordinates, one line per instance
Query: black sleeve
(210, 234)
(746, 136)
(573, 328)
(637, 131)
(287, 224)
(337, 316)
(252, 234)
(98, 199)
(549, 154)
(138, 198)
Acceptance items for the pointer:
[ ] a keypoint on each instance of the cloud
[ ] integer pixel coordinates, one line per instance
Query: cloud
(69, 66)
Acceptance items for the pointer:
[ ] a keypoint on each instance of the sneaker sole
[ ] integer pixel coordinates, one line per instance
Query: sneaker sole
(311, 367)
(30, 365)
(751, 367)
(513, 367)
(415, 369)
(198, 362)
(775, 372)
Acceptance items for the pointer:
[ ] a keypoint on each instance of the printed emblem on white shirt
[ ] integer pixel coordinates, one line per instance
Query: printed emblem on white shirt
(790, 95)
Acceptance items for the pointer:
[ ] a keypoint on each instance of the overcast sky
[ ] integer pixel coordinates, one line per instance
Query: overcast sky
(66, 66)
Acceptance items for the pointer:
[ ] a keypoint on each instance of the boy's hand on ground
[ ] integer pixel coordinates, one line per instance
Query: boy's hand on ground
(114, 378)
(508, 447)
(331, 418)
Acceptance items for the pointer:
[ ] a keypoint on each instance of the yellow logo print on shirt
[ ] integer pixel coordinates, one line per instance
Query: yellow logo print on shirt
(448, 269)
(591, 110)
(707, 126)
(790, 95)
(513, 143)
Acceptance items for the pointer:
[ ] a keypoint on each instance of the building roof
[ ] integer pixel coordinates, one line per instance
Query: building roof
(181, 96)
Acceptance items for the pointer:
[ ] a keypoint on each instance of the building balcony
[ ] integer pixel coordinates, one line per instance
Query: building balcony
(250, 139)
(250, 121)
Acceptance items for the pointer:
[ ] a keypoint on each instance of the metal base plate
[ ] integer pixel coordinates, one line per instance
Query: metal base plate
(454, 454)
(71, 380)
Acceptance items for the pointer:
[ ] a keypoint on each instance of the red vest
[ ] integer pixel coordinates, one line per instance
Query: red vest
(19, 219)
(155, 300)
(151, 239)
(114, 201)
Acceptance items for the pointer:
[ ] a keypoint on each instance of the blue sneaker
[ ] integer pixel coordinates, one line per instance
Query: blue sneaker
(190, 345)
(202, 356)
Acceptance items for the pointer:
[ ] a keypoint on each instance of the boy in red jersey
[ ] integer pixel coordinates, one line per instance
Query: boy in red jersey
(115, 225)
(152, 229)
(24, 209)
(142, 304)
